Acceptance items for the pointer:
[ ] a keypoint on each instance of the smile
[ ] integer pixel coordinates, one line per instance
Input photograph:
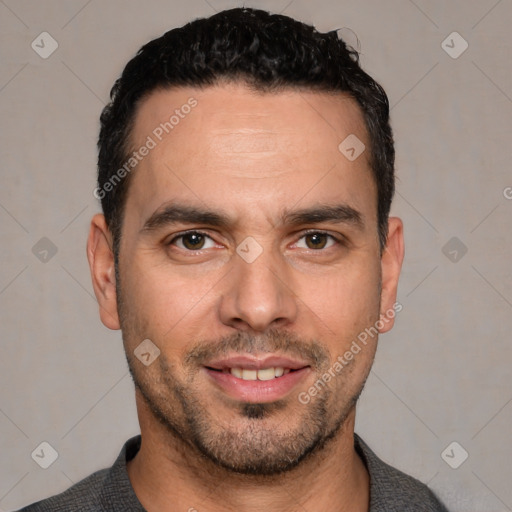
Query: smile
(261, 374)
(253, 379)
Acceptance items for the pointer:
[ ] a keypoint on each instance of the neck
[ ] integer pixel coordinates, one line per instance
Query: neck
(168, 475)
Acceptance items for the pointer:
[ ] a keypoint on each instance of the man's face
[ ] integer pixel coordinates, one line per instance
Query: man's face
(250, 257)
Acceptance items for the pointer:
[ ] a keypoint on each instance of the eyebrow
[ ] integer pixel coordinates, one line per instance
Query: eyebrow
(174, 213)
(177, 212)
(341, 214)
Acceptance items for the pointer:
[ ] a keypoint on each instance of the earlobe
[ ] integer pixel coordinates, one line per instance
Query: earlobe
(391, 264)
(102, 267)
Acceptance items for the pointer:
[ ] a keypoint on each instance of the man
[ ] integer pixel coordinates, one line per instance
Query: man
(246, 252)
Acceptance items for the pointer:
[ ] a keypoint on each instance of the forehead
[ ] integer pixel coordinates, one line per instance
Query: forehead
(227, 141)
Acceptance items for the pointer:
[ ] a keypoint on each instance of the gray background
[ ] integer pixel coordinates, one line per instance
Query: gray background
(442, 375)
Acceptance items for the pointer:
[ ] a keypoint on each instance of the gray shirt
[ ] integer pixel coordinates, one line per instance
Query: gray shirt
(110, 490)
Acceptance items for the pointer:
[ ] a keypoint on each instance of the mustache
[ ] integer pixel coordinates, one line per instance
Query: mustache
(272, 341)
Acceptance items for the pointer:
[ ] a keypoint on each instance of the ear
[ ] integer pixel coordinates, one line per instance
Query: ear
(101, 264)
(391, 264)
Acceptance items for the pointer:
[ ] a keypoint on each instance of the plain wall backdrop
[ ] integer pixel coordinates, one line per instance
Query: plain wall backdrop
(442, 375)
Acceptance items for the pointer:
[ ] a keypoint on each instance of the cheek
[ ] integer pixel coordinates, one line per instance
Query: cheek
(347, 299)
(160, 303)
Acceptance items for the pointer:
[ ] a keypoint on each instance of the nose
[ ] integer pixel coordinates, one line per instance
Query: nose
(258, 295)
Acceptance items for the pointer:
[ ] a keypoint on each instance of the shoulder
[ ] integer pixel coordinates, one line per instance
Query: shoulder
(108, 490)
(391, 490)
(83, 496)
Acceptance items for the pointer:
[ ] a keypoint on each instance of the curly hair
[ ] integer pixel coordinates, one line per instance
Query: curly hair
(268, 52)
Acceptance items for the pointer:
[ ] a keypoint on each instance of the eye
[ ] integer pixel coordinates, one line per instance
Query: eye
(193, 241)
(316, 240)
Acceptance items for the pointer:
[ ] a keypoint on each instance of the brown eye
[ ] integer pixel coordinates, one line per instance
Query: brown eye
(316, 240)
(193, 241)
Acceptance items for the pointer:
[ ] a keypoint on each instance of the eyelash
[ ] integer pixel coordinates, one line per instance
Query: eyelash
(185, 233)
(338, 240)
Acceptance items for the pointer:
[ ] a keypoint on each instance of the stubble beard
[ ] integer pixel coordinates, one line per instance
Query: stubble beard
(259, 447)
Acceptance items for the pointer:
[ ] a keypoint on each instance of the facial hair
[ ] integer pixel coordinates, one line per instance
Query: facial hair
(259, 445)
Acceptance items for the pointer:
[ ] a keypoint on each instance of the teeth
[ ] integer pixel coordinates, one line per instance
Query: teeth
(263, 374)
(249, 374)
(266, 374)
(237, 372)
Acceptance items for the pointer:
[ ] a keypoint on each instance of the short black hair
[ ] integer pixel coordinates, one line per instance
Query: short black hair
(268, 52)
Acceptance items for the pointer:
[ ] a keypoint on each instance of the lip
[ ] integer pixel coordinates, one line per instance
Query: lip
(257, 391)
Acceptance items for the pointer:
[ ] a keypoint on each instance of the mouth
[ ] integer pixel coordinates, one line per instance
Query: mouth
(251, 374)
(257, 380)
